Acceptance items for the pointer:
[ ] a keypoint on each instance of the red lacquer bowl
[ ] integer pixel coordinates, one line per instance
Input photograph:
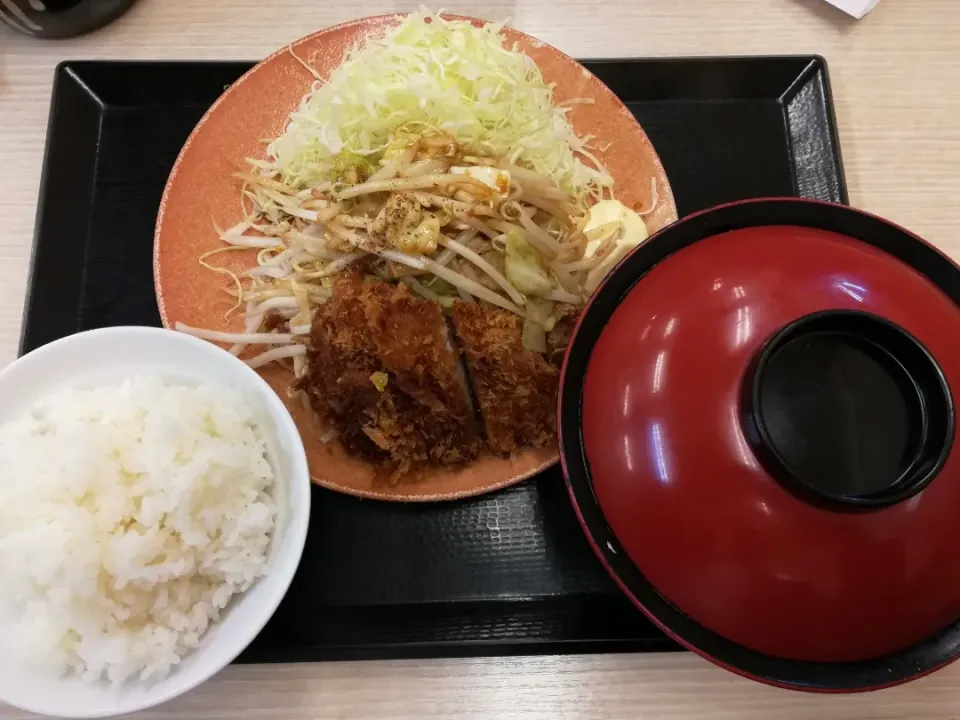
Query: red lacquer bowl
(756, 425)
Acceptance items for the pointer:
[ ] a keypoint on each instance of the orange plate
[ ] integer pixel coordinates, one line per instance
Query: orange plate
(201, 191)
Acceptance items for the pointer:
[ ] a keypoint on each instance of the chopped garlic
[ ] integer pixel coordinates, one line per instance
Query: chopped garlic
(380, 380)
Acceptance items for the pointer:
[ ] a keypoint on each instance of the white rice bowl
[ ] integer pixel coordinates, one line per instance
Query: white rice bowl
(90, 597)
(130, 515)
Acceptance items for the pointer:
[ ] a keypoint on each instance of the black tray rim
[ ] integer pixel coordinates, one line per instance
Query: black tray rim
(69, 78)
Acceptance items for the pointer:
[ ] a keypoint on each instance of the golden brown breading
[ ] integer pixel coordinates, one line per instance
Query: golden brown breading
(515, 388)
(423, 414)
(414, 344)
(340, 359)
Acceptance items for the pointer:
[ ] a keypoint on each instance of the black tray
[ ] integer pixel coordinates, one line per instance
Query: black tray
(506, 573)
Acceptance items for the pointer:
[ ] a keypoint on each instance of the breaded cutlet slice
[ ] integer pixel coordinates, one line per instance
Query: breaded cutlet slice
(415, 346)
(341, 357)
(371, 330)
(418, 354)
(515, 387)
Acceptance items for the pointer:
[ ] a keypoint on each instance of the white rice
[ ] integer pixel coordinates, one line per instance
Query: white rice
(129, 516)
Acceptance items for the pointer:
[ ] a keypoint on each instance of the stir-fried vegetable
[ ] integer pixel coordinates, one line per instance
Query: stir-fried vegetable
(525, 266)
(435, 157)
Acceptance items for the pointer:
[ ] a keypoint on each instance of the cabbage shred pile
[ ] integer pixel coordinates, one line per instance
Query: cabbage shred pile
(430, 74)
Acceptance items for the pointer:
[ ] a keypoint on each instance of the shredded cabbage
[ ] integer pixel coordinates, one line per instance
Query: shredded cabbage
(434, 75)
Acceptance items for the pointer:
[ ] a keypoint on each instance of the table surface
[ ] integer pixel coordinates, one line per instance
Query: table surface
(894, 79)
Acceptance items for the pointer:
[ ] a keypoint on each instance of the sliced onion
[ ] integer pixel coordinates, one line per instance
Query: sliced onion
(275, 303)
(232, 337)
(265, 182)
(267, 271)
(361, 242)
(283, 257)
(416, 183)
(578, 265)
(489, 269)
(425, 167)
(566, 279)
(479, 225)
(311, 215)
(250, 241)
(287, 351)
(250, 325)
(339, 264)
(454, 206)
(312, 244)
(551, 207)
(563, 296)
(471, 286)
(415, 261)
(539, 237)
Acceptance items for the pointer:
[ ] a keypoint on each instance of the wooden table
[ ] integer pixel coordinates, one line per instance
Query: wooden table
(898, 103)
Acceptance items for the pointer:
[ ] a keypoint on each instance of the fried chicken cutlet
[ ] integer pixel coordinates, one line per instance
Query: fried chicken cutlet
(383, 373)
(515, 388)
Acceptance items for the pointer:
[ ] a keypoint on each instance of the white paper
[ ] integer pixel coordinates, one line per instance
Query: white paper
(857, 8)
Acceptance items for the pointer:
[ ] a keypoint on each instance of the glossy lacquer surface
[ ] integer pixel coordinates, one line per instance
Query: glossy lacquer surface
(688, 500)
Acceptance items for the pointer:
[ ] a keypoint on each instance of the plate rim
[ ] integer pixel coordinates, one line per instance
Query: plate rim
(386, 20)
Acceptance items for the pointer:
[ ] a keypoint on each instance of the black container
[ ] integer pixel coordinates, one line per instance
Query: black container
(509, 572)
(60, 18)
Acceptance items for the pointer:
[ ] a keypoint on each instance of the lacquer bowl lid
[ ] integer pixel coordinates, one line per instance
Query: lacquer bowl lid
(756, 423)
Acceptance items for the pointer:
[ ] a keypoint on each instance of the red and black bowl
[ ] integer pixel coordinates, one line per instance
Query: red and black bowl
(757, 429)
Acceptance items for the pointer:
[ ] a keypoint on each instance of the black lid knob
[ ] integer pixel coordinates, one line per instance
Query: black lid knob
(848, 410)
